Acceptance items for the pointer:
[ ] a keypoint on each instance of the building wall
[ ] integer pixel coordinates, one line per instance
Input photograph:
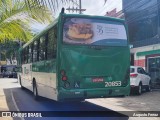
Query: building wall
(142, 53)
(115, 13)
(143, 19)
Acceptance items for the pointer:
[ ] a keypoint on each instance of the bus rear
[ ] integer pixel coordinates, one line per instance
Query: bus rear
(94, 58)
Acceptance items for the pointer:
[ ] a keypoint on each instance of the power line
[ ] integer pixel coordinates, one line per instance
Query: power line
(77, 9)
(138, 14)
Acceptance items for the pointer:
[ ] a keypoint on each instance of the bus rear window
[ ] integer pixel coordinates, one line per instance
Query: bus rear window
(94, 32)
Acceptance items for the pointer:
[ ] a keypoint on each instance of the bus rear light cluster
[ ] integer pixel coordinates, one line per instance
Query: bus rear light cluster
(64, 77)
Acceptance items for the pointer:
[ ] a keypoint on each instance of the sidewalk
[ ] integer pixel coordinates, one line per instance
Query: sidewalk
(3, 104)
(148, 101)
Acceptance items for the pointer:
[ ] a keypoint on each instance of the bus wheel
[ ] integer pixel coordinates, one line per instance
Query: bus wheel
(35, 93)
(20, 83)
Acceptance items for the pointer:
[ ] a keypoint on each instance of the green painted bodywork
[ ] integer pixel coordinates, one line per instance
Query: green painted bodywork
(83, 63)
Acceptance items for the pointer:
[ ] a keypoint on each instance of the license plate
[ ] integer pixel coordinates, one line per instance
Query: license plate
(114, 83)
(97, 79)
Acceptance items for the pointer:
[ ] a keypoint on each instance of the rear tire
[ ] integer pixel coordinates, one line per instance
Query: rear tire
(35, 92)
(148, 89)
(139, 91)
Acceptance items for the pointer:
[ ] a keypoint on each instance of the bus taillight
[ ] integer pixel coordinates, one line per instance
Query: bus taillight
(64, 78)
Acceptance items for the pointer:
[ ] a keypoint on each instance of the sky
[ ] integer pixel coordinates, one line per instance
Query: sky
(97, 7)
(93, 7)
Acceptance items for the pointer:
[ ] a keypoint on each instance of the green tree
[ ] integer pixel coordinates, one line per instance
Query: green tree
(9, 50)
(15, 16)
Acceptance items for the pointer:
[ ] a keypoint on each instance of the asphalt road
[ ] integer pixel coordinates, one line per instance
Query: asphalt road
(25, 102)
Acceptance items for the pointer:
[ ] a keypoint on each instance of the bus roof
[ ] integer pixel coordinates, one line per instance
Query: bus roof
(95, 16)
(39, 34)
(71, 15)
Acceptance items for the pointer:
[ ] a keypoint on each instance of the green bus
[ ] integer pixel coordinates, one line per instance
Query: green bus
(77, 57)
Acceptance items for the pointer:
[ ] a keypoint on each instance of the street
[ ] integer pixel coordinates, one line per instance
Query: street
(105, 54)
(22, 100)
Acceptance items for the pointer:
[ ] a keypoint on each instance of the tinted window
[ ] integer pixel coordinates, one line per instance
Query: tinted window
(29, 54)
(132, 70)
(139, 70)
(154, 70)
(143, 71)
(22, 56)
(42, 48)
(52, 43)
(35, 52)
(25, 55)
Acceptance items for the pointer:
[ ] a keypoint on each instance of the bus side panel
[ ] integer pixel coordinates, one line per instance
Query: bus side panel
(44, 73)
(26, 76)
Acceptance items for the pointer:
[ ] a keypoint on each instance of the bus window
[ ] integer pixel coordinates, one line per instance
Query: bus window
(52, 44)
(29, 54)
(32, 52)
(22, 56)
(35, 52)
(26, 55)
(42, 50)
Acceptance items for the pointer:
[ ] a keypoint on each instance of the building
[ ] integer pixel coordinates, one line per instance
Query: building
(114, 13)
(143, 19)
(143, 23)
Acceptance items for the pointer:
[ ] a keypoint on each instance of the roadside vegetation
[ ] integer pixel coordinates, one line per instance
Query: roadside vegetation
(15, 17)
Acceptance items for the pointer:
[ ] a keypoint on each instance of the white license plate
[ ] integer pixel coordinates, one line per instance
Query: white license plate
(114, 83)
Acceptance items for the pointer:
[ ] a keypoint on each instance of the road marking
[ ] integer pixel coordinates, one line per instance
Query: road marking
(15, 104)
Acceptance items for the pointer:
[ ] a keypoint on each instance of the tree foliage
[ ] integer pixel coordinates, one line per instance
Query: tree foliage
(15, 16)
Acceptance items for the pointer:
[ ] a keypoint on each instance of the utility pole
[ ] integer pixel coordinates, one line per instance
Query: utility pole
(80, 7)
(77, 9)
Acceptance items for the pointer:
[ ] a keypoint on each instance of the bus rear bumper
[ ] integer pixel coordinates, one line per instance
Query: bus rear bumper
(81, 94)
